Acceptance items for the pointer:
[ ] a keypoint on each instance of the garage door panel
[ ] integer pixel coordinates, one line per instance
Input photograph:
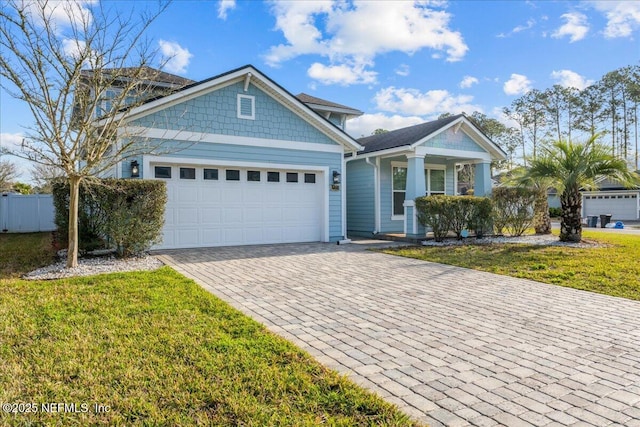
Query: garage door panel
(620, 206)
(223, 213)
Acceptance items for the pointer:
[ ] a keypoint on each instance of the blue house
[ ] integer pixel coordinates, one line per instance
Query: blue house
(246, 162)
(396, 167)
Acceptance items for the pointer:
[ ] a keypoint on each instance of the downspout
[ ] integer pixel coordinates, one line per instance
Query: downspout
(376, 196)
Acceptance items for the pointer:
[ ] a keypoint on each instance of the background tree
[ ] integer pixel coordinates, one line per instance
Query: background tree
(573, 167)
(22, 188)
(45, 47)
(379, 131)
(8, 173)
(44, 175)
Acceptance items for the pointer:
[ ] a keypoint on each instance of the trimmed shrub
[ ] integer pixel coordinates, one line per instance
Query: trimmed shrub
(481, 217)
(122, 214)
(555, 212)
(432, 212)
(512, 209)
(454, 213)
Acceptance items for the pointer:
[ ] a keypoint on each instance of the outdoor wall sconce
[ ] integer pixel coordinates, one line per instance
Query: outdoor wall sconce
(135, 169)
(336, 177)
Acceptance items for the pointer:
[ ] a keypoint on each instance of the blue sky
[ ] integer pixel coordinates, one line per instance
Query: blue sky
(400, 62)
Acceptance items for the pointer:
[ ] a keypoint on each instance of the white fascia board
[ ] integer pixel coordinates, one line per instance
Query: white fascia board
(330, 109)
(405, 149)
(454, 154)
(197, 137)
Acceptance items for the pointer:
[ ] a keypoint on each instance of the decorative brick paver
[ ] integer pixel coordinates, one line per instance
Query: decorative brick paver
(450, 346)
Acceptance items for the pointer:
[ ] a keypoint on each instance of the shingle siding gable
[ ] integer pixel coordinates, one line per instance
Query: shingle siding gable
(216, 112)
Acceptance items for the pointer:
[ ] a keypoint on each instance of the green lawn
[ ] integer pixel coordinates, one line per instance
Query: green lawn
(612, 270)
(156, 349)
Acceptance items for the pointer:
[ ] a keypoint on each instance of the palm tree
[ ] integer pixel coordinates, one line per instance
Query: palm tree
(573, 167)
(539, 186)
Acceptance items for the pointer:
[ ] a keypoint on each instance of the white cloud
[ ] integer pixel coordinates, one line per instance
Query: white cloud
(367, 123)
(518, 29)
(355, 32)
(176, 57)
(403, 70)
(468, 81)
(341, 74)
(10, 141)
(575, 27)
(568, 78)
(517, 85)
(623, 17)
(412, 101)
(224, 6)
(62, 13)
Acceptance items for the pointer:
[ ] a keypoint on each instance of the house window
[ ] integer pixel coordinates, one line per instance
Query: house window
(233, 175)
(162, 172)
(399, 189)
(187, 173)
(292, 177)
(211, 174)
(246, 107)
(434, 181)
(310, 178)
(273, 176)
(253, 176)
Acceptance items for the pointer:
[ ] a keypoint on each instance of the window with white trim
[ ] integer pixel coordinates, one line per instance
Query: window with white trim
(399, 187)
(434, 180)
(434, 183)
(246, 107)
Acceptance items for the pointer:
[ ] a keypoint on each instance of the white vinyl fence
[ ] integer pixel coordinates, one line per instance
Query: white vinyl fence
(26, 214)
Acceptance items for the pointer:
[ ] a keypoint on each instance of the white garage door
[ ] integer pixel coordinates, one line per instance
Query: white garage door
(620, 206)
(227, 206)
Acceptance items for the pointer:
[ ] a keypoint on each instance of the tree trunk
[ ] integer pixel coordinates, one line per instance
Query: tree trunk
(541, 218)
(571, 224)
(74, 196)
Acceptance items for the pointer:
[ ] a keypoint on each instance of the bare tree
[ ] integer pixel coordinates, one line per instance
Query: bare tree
(47, 48)
(44, 175)
(8, 173)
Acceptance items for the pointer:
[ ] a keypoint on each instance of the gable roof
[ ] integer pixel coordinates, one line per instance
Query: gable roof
(247, 74)
(322, 104)
(412, 136)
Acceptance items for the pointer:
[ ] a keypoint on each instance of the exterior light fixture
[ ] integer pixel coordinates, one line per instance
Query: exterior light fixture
(135, 169)
(336, 177)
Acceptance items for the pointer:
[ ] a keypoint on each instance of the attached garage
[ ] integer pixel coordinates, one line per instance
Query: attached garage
(217, 205)
(622, 205)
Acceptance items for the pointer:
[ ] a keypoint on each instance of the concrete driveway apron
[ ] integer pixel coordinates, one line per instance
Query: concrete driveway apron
(449, 346)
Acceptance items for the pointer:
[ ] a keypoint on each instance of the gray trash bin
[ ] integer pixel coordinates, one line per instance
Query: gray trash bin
(592, 221)
(605, 219)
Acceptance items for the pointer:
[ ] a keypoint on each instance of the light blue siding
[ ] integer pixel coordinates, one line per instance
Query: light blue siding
(449, 185)
(360, 198)
(241, 153)
(454, 141)
(217, 113)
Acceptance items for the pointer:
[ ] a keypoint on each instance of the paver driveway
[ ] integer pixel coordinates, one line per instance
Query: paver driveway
(450, 346)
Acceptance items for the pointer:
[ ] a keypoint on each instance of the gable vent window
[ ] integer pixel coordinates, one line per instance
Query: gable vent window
(246, 107)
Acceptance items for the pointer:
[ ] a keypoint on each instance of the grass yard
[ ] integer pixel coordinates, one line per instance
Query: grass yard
(612, 270)
(155, 349)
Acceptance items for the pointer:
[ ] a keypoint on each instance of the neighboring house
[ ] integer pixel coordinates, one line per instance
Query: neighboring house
(247, 162)
(394, 168)
(612, 198)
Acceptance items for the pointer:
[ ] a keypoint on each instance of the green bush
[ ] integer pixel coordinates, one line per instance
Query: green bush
(122, 214)
(481, 215)
(555, 212)
(454, 213)
(512, 209)
(432, 212)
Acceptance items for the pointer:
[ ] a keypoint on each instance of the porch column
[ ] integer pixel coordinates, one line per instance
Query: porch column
(415, 188)
(482, 185)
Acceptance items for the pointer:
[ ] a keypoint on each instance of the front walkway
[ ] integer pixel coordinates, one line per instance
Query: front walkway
(449, 346)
